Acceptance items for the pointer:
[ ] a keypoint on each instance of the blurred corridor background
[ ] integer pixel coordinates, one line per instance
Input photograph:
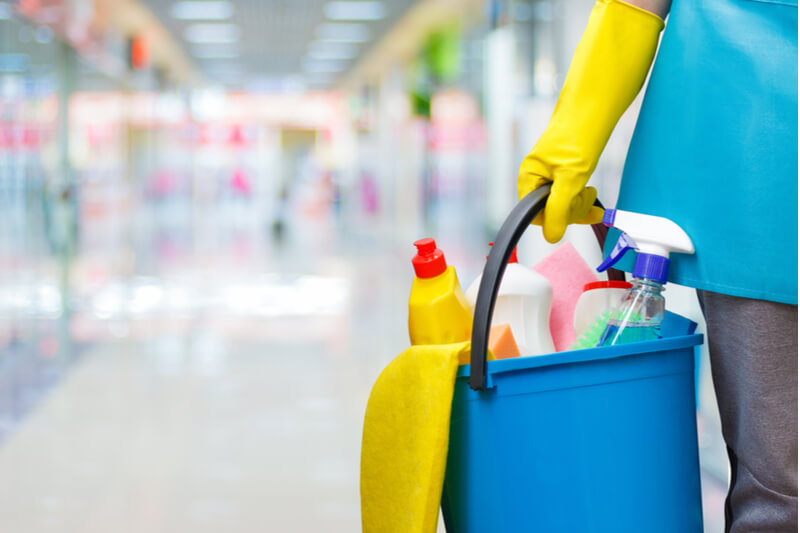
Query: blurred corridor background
(207, 211)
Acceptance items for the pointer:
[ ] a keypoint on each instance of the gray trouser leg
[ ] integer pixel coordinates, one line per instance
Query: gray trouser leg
(753, 350)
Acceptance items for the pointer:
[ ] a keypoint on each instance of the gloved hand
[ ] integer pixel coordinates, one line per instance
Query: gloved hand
(607, 71)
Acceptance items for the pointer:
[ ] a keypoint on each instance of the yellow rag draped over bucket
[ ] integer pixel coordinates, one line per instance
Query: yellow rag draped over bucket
(404, 446)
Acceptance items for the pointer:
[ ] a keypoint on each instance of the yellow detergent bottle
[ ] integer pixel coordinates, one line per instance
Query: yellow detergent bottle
(438, 312)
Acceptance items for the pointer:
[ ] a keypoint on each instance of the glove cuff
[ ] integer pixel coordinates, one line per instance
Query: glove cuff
(659, 22)
(607, 71)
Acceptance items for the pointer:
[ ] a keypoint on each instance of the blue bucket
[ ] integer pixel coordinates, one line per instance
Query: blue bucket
(597, 440)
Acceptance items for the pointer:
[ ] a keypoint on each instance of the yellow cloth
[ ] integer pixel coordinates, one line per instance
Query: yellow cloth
(607, 71)
(404, 445)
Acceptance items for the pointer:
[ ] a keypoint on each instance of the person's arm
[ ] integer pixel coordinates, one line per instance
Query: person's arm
(657, 7)
(607, 71)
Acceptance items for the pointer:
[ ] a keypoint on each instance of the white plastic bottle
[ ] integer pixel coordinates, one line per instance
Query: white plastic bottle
(597, 297)
(523, 302)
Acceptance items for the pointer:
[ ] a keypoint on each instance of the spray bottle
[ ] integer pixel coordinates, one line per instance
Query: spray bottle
(639, 314)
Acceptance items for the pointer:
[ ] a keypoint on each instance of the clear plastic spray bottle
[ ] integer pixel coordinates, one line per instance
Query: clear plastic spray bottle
(639, 314)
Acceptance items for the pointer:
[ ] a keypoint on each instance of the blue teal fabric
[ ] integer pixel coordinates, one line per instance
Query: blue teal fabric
(715, 146)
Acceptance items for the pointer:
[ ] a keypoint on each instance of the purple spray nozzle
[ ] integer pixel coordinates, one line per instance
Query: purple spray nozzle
(624, 243)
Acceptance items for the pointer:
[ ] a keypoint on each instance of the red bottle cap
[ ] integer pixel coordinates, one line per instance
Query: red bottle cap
(429, 261)
(512, 259)
(607, 285)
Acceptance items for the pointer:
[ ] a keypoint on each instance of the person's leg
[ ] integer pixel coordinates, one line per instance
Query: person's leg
(753, 350)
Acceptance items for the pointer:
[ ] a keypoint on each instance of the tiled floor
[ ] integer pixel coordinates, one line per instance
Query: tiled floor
(223, 402)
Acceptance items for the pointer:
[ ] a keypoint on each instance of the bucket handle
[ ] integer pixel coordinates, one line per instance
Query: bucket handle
(507, 238)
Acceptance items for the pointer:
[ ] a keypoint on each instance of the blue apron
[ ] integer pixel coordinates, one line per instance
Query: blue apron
(715, 146)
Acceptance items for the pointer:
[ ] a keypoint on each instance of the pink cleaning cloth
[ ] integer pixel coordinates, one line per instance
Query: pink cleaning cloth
(568, 273)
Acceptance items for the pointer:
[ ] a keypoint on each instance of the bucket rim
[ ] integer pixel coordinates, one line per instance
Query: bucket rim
(501, 366)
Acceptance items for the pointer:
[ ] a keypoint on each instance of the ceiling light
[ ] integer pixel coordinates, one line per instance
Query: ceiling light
(341, 48)
(325, 77)
(332, 53)
(202, 10)
(323, 66)
(215, 52)
(321, 78)
(355, 10)
(212, 33)
(351, 33)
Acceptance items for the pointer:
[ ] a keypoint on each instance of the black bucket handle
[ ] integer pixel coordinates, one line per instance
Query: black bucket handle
(507, 238)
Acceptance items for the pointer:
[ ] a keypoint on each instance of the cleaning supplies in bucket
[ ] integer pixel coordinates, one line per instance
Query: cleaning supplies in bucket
(406, 424)
(567, 273)
(639, 315)
(438, 313)
(523, 302)
(601, 440)
(502, 343)
(594, 309)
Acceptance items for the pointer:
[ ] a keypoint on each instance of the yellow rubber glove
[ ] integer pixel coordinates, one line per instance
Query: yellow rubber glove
(606, 73)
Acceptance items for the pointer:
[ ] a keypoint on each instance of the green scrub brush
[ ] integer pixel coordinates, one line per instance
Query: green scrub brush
(591, 335)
